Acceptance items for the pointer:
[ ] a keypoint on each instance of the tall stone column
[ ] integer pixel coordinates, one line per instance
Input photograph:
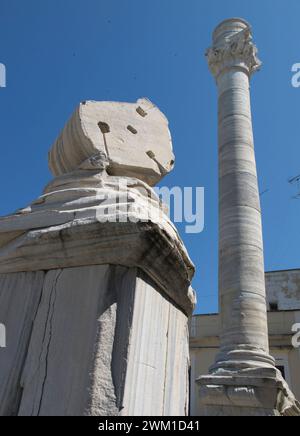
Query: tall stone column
(244, 379)
(94, 279)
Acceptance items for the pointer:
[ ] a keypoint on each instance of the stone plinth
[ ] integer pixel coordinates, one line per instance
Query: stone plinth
(94, 279)
(243, 380)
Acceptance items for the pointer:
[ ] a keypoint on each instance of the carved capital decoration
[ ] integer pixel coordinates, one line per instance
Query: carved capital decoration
(238, 51)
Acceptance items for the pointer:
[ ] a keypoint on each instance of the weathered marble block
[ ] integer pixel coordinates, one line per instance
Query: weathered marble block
(94, 292)
(134, 136)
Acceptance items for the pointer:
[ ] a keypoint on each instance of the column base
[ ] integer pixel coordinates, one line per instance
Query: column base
(248, 392)
(243, 357)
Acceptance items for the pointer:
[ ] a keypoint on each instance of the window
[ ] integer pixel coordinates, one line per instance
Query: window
(282, 364)
(273, 306)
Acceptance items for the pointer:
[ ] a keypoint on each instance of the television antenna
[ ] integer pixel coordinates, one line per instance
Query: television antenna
(295, 181)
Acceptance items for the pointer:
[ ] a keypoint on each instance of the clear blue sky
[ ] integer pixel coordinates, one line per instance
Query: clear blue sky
(60, 52)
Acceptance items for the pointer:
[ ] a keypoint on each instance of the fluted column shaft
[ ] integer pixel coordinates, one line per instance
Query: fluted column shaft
(244, 339)
(243, 381)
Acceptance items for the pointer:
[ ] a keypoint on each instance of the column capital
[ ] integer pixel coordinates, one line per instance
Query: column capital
(233, 48)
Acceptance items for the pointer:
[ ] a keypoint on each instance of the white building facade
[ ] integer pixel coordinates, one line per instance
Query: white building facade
(283, 298)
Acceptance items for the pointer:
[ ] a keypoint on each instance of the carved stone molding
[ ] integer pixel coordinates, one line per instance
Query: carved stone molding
(67, 227)
(238, 51)
(94, 278)
(100, 208)
(252, 392)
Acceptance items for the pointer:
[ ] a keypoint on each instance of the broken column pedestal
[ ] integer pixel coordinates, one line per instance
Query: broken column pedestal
(94, 294)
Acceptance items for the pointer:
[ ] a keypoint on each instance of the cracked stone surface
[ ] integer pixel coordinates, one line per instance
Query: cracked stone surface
(97, 310)
(102, 341)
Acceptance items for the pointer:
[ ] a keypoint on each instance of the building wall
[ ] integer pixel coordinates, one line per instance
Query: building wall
(283, 289)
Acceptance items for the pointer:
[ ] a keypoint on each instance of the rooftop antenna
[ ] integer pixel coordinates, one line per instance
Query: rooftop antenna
(295, 181)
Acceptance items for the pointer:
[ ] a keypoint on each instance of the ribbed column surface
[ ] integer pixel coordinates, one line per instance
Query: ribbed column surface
(244, 339)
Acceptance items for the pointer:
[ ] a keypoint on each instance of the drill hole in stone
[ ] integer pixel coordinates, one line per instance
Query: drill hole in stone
(141, 112)
(151, 154)
(132, 130)
(104, 127)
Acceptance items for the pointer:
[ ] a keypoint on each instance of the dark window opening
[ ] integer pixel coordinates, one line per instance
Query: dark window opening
(274, 307)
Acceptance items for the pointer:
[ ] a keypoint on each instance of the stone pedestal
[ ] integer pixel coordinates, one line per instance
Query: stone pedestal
(94, 279)
(244, 380)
